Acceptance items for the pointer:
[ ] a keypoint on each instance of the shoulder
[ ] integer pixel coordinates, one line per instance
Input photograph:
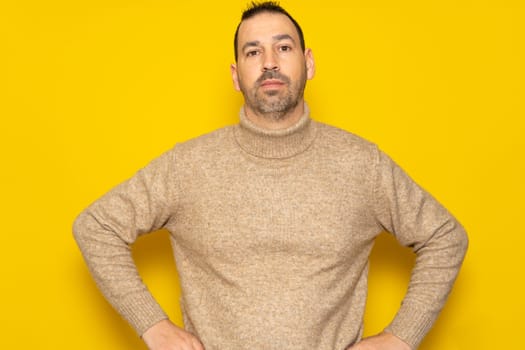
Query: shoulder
(343, 143)
(205, 147)
(209, 139)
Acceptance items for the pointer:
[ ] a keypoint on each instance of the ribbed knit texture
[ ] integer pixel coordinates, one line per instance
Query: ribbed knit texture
(272, 231)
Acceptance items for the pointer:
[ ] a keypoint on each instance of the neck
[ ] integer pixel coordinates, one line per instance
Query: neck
(275, 121)
(275, 144)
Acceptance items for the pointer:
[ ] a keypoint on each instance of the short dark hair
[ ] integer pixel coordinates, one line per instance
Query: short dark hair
(256, 8)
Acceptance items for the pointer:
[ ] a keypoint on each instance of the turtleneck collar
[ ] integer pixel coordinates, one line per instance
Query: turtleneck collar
(275, 144)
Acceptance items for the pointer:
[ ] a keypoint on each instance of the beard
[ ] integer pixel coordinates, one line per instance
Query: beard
(274, 104)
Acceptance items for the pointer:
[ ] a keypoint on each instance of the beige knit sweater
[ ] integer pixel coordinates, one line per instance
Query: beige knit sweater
(272, 231)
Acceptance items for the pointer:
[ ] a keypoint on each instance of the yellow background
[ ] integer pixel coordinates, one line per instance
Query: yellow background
(90, 91)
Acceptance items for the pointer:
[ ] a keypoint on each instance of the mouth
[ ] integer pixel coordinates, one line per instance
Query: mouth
(272, 83)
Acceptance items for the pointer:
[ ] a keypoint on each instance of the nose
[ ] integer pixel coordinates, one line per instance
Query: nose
(270, 62)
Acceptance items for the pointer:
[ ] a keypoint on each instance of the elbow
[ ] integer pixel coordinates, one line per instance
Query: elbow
(463, 241)
(79, 228)
(459, 242)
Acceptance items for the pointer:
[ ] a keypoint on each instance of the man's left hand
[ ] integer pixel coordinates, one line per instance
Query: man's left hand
(383, 341)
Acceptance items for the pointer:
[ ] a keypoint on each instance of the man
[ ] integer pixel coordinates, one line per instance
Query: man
(272, 221)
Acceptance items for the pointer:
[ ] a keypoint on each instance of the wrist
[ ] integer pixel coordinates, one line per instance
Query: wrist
(157, 328)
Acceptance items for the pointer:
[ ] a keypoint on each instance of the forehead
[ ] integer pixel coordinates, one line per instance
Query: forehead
(265, 26)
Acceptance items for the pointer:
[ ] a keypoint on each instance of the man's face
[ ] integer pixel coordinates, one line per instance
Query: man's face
(271, 69)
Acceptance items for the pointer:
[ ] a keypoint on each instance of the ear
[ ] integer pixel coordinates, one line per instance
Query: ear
(235, 76)
(310, 63)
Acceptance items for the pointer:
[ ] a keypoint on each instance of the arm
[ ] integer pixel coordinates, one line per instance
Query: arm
(418, 221)
(107, 228)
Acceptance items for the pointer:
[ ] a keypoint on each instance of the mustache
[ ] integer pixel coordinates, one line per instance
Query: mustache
(272, 74)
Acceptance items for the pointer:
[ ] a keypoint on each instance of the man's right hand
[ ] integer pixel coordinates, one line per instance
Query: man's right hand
(164, 335)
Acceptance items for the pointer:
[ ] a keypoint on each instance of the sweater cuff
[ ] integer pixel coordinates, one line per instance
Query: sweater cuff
(411, 324)
(141, 311)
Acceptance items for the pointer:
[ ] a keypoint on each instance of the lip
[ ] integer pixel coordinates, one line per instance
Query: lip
(272, 83)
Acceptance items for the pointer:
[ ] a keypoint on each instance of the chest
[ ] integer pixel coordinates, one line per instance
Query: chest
(321, 210)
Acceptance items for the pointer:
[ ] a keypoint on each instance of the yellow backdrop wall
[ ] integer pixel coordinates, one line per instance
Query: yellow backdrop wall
(90, 91)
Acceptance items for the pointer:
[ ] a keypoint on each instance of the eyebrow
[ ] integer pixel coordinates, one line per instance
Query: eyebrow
(278, 37)
(250, 43)
(283, 37)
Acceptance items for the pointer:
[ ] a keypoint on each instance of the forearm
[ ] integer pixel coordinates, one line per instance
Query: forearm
(107, 228)
(418, 221)
(437, 266)
(111, 264)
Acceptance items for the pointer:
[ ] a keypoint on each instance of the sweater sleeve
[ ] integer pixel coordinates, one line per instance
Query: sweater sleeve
(106, 229)
(418, 221)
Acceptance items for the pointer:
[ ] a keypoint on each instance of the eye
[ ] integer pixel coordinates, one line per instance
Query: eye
(285, 48)
(252, 53)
